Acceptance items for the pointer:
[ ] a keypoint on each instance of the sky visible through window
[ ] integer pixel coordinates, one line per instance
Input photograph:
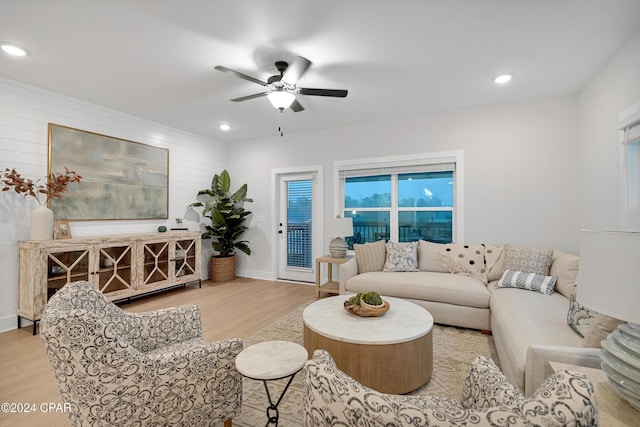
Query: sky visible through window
(433, 189)
(423, 209)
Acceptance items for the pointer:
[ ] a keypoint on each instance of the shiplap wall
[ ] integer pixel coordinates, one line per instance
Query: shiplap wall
(25, 112)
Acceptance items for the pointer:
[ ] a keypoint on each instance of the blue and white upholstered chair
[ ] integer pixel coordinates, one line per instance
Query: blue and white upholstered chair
(116, 368)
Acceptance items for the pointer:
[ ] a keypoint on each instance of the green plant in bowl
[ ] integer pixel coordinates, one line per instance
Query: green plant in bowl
(372, 298)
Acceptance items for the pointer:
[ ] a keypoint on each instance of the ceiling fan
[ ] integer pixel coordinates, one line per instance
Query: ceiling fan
(282, 88)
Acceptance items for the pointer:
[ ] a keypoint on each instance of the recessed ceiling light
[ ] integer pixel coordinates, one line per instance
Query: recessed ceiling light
(502, 79)
(224, 126)
(13, 50)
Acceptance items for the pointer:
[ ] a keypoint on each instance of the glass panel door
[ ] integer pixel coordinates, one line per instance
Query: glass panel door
(296, 228)
(156, 262)
(185, 257)
(65, 267)
(115, 268)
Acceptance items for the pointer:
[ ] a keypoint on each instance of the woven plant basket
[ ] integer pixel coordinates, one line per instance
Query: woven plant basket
(223, 269)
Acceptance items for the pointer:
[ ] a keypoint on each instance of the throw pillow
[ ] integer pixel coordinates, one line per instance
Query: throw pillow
(579, 317)
(370, 256)
(494, 256)
(427, 252)
(565, 266)
(401, 257)
(529, 281)
(464, 259)
(527, 260)
(600, 328)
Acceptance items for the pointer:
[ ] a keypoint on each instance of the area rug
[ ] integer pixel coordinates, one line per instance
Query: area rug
(453, 350)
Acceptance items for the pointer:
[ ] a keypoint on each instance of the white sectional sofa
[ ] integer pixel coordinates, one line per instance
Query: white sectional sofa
(529, 328)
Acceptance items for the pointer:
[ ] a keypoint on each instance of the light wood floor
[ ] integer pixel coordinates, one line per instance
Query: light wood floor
(236, 309)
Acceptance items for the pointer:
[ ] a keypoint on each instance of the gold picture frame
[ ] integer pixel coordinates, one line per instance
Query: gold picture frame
(62, 229)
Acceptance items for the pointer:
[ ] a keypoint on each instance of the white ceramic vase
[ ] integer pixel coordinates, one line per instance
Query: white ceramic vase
(41, 223)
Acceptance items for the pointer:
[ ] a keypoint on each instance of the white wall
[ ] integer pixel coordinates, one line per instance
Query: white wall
(521, 169)
(25, 112)
(610, 91)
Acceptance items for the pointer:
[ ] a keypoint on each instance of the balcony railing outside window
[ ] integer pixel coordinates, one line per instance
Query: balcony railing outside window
(299, 245)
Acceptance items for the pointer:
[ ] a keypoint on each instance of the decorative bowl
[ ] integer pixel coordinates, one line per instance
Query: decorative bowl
(370, 311)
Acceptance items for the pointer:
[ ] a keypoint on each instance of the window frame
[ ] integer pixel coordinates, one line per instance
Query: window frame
(628, 125)
(405, 162)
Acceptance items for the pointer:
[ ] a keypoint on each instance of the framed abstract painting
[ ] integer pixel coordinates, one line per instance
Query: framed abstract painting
(122, 179)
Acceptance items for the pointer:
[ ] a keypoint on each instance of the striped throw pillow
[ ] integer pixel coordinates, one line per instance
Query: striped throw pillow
(528, 281)
(370, 256)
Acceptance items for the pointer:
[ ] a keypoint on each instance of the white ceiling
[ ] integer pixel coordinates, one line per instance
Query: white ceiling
(154, 58)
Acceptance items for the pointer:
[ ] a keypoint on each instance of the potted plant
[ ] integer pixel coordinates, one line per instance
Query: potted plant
(54, 188)
(226, 214)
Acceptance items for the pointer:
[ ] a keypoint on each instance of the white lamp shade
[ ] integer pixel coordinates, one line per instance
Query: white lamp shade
(339, 227)
(281, 99)
(609, 275)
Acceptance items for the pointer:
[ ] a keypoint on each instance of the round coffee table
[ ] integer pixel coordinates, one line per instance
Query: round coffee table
(268, 361)
(391, 354)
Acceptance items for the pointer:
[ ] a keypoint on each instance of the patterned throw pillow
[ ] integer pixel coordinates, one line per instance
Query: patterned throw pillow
(527, 260)
(529, 281)
(401, 257)
(467, 260)
(579, 317)
(370, 256)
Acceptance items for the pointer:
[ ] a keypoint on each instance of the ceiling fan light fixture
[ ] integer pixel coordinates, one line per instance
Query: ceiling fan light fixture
(502, 79)
(281, 99)
(13, 49)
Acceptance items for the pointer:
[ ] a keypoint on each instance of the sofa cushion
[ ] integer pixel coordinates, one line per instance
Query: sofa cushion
(600, 328)
(579, 317)
(370, 256)
(427, 252)
(565, 268)
(527, 281)
(520, 319)
(401, 257)
(529, 260)
(424, 285)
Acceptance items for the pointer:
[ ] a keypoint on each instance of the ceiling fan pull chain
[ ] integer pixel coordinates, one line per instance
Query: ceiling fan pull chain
(280, 128)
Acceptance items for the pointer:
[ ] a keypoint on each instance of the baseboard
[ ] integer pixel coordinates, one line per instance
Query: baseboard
(297, 282)
(254, 274)
(9, 323)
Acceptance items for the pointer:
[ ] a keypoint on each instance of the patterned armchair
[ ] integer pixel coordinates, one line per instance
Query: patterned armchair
(331, 398)
(138, 369)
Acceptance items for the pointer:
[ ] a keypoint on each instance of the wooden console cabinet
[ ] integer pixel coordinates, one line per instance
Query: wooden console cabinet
(120, 266)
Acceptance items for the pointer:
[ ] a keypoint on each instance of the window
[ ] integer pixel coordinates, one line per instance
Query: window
(299, 223)
(402, 199)
(630, 166)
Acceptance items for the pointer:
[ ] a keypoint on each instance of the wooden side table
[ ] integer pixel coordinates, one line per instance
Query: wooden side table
(330, 285)
(613, 410)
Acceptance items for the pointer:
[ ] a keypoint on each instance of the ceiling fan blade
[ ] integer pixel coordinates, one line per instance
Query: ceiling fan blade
(242, 76)
(295, 70)
(340, 93)
(248, 97)
(296, 106)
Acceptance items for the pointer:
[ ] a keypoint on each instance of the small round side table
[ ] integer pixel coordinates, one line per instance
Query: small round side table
(269, 361)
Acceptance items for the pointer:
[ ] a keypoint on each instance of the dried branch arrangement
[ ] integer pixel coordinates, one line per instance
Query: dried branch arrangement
(54, 188)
